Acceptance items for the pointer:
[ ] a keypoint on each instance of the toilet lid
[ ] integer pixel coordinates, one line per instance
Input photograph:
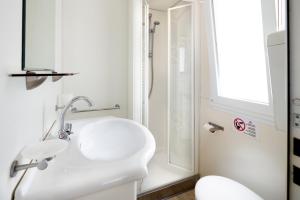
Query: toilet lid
(220, 188)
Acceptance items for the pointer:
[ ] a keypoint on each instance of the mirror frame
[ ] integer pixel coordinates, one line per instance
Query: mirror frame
(23, 35)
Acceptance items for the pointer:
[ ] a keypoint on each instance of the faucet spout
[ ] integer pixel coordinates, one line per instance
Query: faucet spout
(63, 133)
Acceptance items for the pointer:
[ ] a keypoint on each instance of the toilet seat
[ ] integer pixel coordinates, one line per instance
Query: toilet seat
(221, 188)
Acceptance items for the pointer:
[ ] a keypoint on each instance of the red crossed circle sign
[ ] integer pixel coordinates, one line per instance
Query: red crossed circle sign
(239, 124)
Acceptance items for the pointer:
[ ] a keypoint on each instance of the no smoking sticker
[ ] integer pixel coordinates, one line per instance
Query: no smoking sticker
(239, 124)
(244, 126)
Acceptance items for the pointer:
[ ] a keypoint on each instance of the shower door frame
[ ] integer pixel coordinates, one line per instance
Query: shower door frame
(194, 147)
(145, 65)
(143, 110)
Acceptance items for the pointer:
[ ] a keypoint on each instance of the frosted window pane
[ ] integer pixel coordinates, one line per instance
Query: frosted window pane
(240, 50)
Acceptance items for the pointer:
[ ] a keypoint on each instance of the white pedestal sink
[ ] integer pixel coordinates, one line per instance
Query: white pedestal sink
(105, 159)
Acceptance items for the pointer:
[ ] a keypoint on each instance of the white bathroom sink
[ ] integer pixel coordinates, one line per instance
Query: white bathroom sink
(111, 139)
(103, 153)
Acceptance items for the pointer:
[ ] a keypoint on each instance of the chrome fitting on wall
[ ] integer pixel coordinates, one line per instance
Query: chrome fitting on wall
(15, 167)
(215, 127)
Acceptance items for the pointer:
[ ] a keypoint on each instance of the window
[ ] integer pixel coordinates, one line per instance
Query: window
(240, 57)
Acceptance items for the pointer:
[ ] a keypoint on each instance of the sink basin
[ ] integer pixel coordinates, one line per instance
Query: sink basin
(103, 153)
(111, 139)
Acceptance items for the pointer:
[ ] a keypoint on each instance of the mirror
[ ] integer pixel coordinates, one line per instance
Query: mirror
(40, 35)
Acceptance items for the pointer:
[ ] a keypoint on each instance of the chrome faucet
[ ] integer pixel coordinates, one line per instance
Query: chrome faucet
(66, 129)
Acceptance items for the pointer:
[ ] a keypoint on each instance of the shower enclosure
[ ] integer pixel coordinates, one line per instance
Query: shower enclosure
(168, 92)
(181, 88)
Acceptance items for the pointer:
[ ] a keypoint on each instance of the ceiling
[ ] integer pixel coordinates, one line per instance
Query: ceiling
(161, 4)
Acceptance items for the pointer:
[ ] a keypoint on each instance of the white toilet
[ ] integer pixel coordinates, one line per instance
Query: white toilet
(220, 188)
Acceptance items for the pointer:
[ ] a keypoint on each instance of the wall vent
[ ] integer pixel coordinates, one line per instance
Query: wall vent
(296, 147)
(296, 175)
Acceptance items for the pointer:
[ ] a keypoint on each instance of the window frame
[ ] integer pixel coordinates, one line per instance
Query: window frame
(261, 112)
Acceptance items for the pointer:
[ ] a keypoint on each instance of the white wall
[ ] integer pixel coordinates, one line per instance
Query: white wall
(162, 4)
(25, 115)
(159, 98)
(95, 44)
(258, 163)
(295, 83)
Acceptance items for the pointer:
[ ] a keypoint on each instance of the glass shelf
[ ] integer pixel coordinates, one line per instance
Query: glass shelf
(35, 79)
(41, 74)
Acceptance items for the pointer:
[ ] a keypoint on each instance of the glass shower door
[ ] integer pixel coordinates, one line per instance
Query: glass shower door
(181, 87)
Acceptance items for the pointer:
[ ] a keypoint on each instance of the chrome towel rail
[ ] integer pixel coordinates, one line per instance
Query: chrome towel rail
(115, 107)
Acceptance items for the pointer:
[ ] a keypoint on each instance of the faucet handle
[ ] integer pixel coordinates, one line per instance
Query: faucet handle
(68, 128)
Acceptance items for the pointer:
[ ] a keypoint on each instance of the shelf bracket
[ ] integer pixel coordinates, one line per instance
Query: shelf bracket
(34, 81)
(56, 78)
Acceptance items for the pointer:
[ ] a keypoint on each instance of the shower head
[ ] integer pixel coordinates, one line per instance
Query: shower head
(156, 23)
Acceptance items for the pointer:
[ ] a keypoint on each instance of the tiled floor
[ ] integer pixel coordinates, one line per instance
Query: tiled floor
(190, 195)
